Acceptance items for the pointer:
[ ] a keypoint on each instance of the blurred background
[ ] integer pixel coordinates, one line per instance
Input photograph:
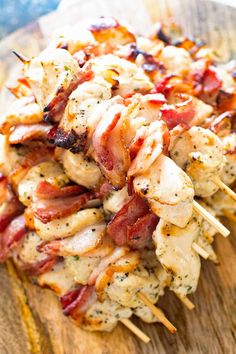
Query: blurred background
(17, 13)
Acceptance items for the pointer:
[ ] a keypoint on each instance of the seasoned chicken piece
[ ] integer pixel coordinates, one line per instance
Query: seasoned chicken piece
(225, 77)
(150, 46)
(69, 225)
(50, 73)
(81, 267)
(9, 156)
(164, 278)
(103, 316)
(28, 252)
(46, 171)
(155, 142)
(221, 203)
(108, 31)
(199, 152)
(86, 240)
(128, 78)
(72, 38)
(168, 189)
(228, 175)
(57, 279)
(81, 169)
(85, 108)
(22, 111)
(175, 253)
(202, 111)
(177, 60)
(115, 201)
(141, 111)
(123, 287)
(207, 234)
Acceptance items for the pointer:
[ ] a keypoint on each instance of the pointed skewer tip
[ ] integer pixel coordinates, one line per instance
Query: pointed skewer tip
(21, 57)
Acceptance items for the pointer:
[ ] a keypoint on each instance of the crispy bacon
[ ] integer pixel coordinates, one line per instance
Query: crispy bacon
(76, 301)
(13, 207)
(105, 189)
(179, 113)
(67, 140)
(123, 227)
(48, 210)
(54, 110)
(40, 267)
(211, 82)
(46, 190)
(11, 236)
(163, 86)
(100, 139)
(135, 146)
(140, 232)
(25, 132)
(109, 148)
(226, 101)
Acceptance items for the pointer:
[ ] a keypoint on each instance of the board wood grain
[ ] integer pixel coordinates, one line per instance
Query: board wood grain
(30, 318)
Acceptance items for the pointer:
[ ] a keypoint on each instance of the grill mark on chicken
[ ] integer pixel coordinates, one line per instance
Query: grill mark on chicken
(54, 110)
(68, 140)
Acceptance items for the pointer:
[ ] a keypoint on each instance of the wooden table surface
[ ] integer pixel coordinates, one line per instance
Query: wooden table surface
(31, 319)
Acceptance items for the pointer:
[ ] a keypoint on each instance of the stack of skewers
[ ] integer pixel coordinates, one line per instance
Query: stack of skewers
(117, 158)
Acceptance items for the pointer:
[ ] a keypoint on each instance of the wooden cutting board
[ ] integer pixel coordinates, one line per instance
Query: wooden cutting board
(30, 318)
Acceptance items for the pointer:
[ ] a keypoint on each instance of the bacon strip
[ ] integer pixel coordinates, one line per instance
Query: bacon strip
(100, 139)
(179, 113)
(54, 110)
(40, 267)
(105, 189)
(46, 190)
(48, 210)
(11, 236)
(26, 132)
(226, 101)
(13, 209)
(110, 151)
(75, 302)
(211, 82)
(140, 232)
(124, 225)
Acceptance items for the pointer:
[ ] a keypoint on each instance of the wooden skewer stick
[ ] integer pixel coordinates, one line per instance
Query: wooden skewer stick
(157, 312)
(186, 301)
(224, 188)
(22, 57)
(200, 250)
(135, 330)
(211, 219)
